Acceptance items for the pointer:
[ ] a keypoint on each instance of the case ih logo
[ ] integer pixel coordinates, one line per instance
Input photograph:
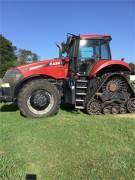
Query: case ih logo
(55, 63)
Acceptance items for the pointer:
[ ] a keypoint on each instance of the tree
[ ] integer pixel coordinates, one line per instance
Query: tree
(9, 57)
(26, 56)
(7, 54)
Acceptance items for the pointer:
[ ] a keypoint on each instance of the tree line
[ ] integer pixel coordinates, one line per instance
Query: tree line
(11, 56)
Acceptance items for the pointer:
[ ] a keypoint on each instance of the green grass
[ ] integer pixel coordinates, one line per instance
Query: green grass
(70, 145)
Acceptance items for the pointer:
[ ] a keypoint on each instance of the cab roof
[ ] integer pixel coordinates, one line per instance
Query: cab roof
(95, 36)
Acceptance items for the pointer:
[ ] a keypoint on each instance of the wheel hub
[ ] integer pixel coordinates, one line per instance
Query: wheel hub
(113, 86)
(40, 99)
(94, 107)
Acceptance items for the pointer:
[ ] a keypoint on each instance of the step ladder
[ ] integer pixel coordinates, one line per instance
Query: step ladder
(81, 92)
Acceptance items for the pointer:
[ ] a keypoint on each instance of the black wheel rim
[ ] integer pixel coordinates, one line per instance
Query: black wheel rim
(40, 100)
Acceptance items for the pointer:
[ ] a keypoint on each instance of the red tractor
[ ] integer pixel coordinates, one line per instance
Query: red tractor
(84, 76)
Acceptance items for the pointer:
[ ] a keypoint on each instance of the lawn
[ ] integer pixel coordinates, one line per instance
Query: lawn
(69, 145)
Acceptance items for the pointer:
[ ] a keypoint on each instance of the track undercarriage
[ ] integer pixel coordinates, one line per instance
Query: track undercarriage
(109, 94)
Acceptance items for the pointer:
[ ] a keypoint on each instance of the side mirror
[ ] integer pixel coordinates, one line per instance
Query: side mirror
(60, 49)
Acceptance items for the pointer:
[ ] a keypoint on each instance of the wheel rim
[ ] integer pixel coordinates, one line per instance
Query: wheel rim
(40, 102)
(115, 84)
(94, 107)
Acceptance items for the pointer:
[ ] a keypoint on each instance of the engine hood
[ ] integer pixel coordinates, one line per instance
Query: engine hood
(56, 68)
(40, 64)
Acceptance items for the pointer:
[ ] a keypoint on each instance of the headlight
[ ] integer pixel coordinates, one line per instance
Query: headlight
(12, 76)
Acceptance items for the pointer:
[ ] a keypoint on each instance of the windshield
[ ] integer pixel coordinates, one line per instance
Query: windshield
(93, 49)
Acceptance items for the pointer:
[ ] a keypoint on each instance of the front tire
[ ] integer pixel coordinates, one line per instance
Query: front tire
(38, 98)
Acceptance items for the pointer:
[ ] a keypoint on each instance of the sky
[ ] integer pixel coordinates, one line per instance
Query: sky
(38, 25)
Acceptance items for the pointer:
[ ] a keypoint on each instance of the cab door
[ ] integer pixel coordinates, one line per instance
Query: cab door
(89, 53)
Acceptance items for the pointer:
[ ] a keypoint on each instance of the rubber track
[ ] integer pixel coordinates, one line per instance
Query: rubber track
(100, 82)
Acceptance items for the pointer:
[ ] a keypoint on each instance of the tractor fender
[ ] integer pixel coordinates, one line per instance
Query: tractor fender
(21, 83)
(105, 66)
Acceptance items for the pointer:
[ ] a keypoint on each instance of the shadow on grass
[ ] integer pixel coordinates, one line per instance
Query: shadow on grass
(31, 177)
(12, 107)
(69, 108)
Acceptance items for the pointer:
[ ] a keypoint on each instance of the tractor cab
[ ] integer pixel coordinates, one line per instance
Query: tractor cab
(85, 50)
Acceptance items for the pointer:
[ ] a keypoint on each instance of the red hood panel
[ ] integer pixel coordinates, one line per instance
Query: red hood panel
(55, 68)
(26, 66)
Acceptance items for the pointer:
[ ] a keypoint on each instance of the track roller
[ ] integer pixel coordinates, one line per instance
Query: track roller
(107, 109)
(131, 105)
(115, 109)
(94, 107)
